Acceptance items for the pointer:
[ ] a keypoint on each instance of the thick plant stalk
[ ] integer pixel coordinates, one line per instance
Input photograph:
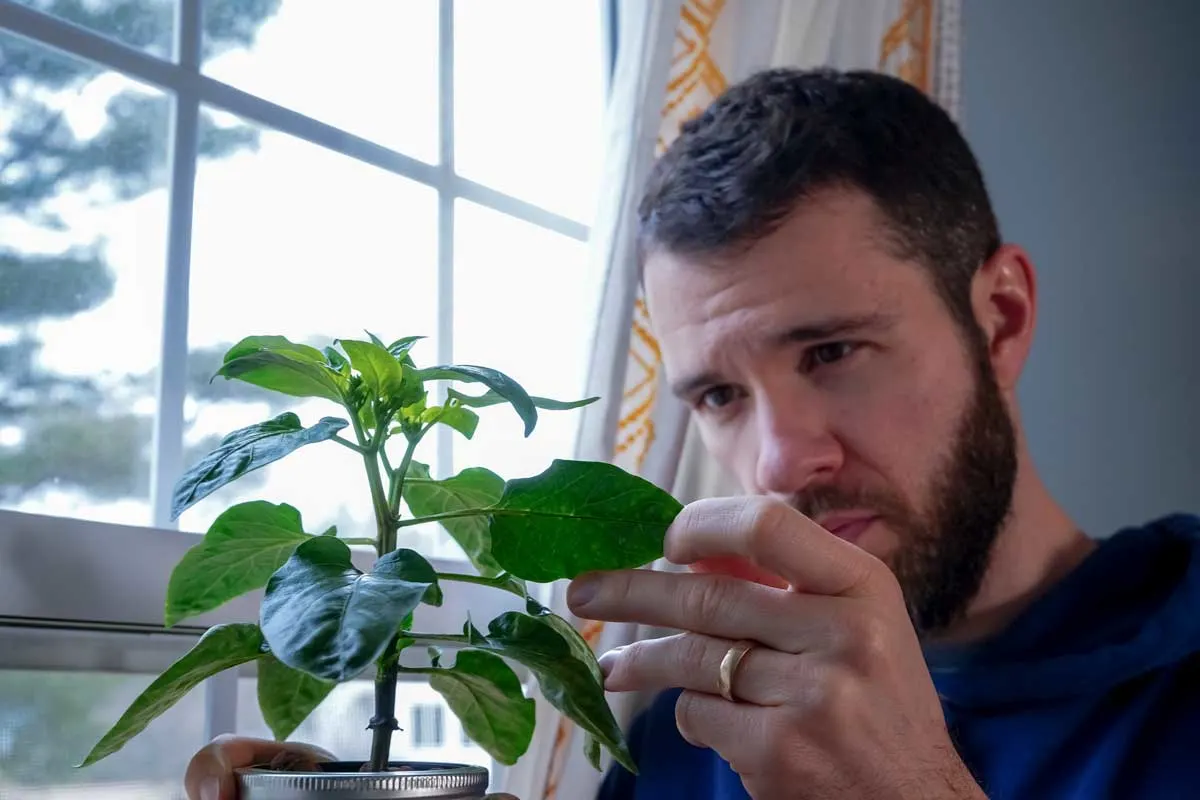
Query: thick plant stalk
(384, 721)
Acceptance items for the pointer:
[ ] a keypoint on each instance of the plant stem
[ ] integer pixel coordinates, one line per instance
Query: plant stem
(452, 638)
(384, 721)
(464, 512)
(422, 670)
(496, 583)
(348, 443)
(394, 491)
(385, 529)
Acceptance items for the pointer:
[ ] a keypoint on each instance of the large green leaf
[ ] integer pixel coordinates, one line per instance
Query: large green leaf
(491, 398)
(321, 614)
(495, 380)
(579, 516)
(582, 651)
(475, 487)
(566, 682)
(274, 344)
(242, 549)
(379, 369)
(485, 694)
(274, 362)
(245, 450)
(287, 696)
(220, 648)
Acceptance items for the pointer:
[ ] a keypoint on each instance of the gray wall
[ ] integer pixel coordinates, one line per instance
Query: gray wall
(1085, 115)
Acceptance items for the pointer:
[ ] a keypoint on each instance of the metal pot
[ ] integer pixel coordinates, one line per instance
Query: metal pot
(341, 780)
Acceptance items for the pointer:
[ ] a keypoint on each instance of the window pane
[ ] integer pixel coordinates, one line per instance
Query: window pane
(529, 99)
(524, 304)
(295, 240)
(371, 71)
(148, 25)
(339, 723)
(50, 720)
(83, 214)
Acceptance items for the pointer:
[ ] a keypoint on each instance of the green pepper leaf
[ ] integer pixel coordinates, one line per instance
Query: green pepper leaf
(497, 381)
(239, 553)
(220, 648)
(324, 616)
(400, 347)
(246, 450)
(463, 420)
(472, 488)
(491, 398)
(287, 696)
(567, 683)
(337, 361)
(486, 696)
(379, 369)
(275, 363)
(576, 517)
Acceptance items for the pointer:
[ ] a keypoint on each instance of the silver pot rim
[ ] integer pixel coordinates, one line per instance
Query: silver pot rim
(419, 779)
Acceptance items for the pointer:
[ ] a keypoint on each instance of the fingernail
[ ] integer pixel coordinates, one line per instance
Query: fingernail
(606, 660)
(210, 789)
(582, 590)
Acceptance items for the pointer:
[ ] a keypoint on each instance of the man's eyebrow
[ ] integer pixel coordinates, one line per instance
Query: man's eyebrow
(810, 332)
(834, 327)
(687, 386)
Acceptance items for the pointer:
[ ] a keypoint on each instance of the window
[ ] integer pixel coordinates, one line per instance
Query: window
(178, 174)
(426, 726)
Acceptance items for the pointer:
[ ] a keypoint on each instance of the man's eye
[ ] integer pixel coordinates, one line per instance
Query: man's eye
(717, 397)
(829, 353)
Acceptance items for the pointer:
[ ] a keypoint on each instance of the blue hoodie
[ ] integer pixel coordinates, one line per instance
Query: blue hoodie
(1093, 692)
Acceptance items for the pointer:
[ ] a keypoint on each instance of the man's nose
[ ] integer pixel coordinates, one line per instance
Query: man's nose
(796, 449)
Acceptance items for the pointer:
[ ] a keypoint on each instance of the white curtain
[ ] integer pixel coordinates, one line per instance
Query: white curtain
(673, 58)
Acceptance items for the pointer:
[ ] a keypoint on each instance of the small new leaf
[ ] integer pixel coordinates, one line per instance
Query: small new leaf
(495, 380)
(220, 648)
(475, 487)
(242, 549)
(379, 369)
(246, 450)
(576, 517)
(485, 694)
(324, 616)
(463, 420)
(287, 696)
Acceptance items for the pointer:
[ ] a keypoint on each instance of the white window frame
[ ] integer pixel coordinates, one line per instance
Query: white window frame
(70, 588)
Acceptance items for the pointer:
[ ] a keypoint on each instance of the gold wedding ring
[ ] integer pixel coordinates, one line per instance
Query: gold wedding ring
(729, 665)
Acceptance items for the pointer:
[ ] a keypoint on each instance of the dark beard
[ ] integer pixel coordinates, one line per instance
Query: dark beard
(946, 547)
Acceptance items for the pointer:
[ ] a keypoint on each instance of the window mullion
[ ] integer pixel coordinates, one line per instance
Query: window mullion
(445, 283)
(167, 450)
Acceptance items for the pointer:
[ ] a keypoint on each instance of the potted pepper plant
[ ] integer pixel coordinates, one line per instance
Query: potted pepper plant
(323, 621)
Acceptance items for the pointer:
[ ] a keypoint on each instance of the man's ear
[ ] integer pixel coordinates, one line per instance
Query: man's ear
(1004, 298)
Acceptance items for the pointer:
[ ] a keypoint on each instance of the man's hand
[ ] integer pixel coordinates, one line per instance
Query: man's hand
(210, 772)
(835, 699)
(210, 775)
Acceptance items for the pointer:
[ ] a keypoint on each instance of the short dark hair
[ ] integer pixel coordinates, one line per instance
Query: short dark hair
(773, 140)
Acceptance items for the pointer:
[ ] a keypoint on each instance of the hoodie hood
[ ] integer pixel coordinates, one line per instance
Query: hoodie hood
(1131, 607)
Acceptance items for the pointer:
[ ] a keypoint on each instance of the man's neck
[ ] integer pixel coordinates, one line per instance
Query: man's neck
(1037, 548)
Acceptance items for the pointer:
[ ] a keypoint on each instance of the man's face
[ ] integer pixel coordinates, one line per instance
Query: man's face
(823, 370)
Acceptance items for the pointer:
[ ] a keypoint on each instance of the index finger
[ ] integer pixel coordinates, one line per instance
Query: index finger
(776, 538)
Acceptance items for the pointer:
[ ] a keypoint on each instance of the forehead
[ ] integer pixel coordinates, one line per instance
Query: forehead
(830, 259)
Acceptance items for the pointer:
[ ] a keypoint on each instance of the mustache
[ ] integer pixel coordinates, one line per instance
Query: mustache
(822, 499)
